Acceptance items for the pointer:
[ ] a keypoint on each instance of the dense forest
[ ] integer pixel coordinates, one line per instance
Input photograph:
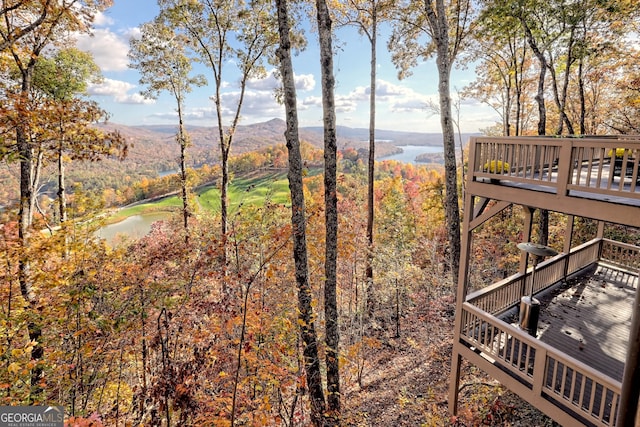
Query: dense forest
(332, 308)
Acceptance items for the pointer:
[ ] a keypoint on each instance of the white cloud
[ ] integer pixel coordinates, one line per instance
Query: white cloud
(192, 115)
(388, 89)
(360, 93)
(132, 33)
(134, 98)
(397, 97)
(311, 102)
(119, 90)
(269, 83)
(255, 105)
(409, 105)
(303, 82)
(102, 20)
(109, 50)
(345, 104)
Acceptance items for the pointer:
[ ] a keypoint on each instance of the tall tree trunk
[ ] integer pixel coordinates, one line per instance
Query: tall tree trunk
(62, 194)
(583, 102)
(561, 96)
(371, 293)
(298, 223)
(519, 79)
(62, 191)
(542, 112)
(331, 214)
(29, 175)
(507, 109)
(543, 222)
(440, 29)
(183, 141)
(27, 192)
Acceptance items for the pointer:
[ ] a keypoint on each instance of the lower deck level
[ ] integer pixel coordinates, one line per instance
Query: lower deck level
(588, 317)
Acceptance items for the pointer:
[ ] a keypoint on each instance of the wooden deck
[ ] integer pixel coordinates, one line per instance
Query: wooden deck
(589, 318)
(577, 176)
(573, 369)
(615, 188)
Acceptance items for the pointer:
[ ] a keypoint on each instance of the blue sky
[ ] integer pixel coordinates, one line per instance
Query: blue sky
(400, 103)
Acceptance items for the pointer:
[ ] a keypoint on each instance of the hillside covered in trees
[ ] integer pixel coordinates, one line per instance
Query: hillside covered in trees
(333, 308)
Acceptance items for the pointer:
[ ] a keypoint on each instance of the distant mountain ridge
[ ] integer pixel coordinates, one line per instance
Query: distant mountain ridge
(153, 151)
(260, 135)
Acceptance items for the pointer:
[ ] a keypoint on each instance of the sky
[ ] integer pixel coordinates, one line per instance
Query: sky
(401, 104)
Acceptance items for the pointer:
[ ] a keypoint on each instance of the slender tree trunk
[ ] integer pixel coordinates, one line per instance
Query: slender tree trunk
(29, 174)
(371, 293)
(62, 193)
(543, 222)
(224, 181)
(440, 29)
(519, 77)
(561, 96)
(298, 223)
(507, 109)
(542, 112)
(583, 102)
(183, 141)
(331, 214)
(26, 181)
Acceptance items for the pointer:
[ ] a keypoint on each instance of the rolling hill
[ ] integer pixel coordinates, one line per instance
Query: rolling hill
(153, 151)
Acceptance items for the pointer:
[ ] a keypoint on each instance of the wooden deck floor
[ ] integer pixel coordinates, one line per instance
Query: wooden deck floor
(589, 318)
(622, 190)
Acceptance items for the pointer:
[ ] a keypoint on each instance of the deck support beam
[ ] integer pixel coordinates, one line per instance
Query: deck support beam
(630, 394)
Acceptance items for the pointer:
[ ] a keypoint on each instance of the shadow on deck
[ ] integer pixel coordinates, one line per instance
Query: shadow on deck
(588, 317)
(574, 366)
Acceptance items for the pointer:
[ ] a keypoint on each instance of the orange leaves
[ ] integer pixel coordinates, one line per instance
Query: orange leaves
(92, 421)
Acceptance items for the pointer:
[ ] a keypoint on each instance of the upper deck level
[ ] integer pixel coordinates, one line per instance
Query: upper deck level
(578, 176)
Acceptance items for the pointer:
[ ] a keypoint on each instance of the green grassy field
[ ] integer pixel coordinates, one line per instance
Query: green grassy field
(248, 191)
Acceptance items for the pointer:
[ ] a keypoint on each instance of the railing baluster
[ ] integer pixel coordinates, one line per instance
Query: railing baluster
(614, 409)
(603, 402)
(572, 389)
(592, 399)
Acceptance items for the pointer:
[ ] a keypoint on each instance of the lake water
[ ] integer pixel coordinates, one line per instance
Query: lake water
(131, 228)
(167, 172)
(410, 152)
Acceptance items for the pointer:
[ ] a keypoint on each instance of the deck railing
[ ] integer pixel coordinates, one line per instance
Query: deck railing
(505, 294)
(621, 255)
(549, 373)
(607, 166)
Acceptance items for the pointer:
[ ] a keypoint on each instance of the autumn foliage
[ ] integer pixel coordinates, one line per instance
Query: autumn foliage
(143, 334)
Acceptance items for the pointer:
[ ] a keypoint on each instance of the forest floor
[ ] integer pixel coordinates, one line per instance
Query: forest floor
(405, 381)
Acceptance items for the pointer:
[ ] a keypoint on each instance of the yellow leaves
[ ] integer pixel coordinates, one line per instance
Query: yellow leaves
(496, 166)
(14, 368)
(619, 152)
(413, 343)
(403, 400)
(270, 273)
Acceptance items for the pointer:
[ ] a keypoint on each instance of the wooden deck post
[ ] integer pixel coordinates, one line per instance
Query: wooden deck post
(568, 236)
(456, 363)
(526, 237)
(463, 279)
(630, 394)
